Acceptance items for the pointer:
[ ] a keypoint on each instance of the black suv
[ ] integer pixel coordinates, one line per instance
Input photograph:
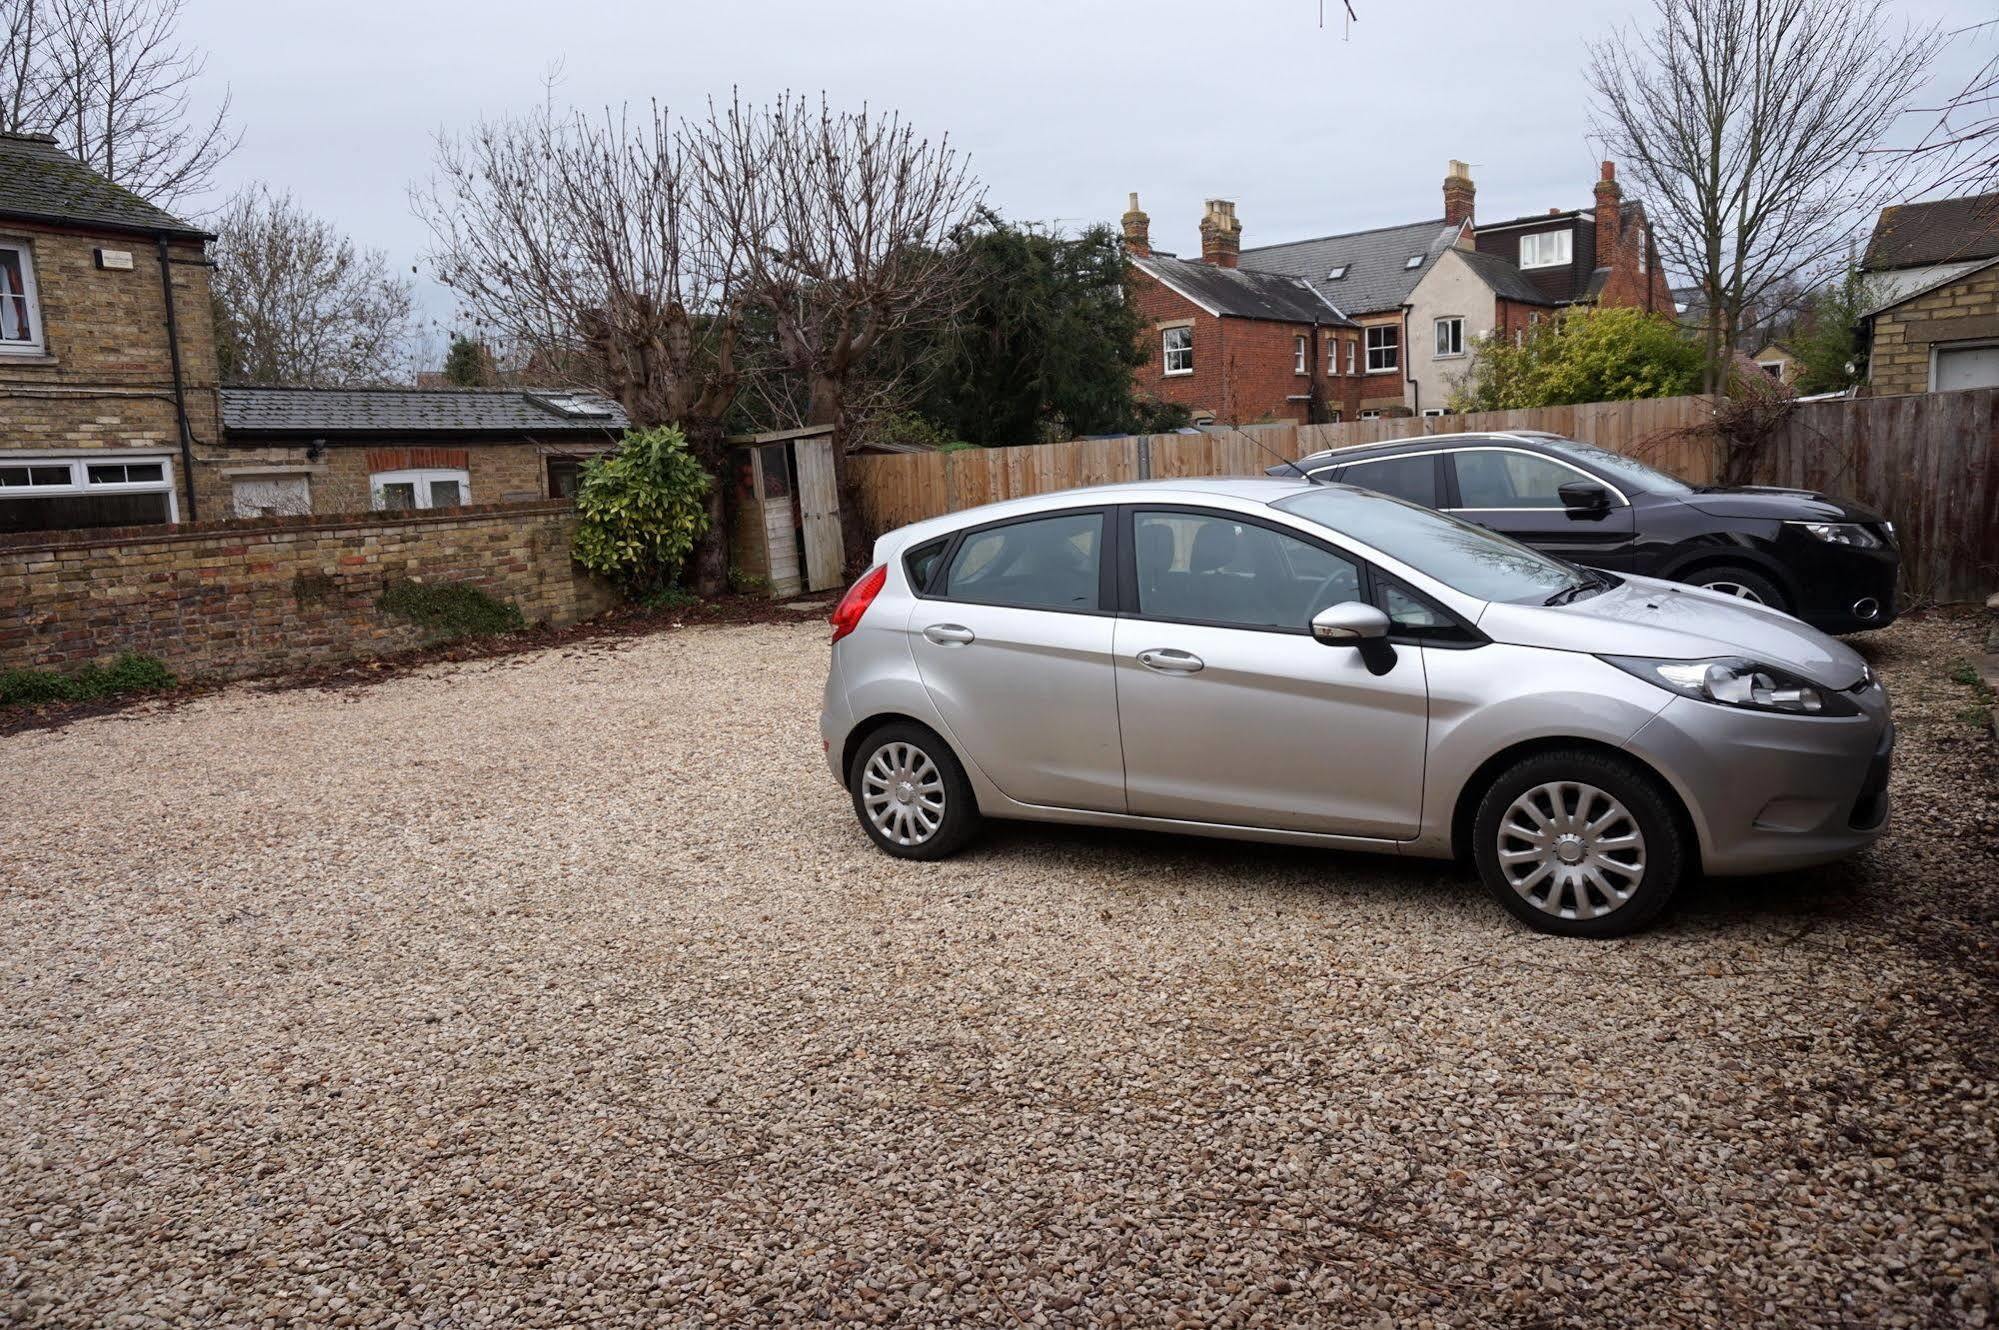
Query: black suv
(1829, 562)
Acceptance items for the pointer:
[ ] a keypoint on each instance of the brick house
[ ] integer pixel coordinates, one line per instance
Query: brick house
(1935, 270)
(1410, 301)
(108, 381)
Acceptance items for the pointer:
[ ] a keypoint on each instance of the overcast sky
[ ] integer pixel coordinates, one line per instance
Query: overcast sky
(1063, 106)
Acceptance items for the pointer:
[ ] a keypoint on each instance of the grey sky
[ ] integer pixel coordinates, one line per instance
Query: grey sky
(1063, 107)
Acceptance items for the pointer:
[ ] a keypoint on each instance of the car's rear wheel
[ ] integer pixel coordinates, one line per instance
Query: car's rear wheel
(911, 794)
(1742, 583)
(1579, 843)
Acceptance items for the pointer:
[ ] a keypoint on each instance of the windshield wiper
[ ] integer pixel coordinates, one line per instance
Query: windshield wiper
(1590, 582)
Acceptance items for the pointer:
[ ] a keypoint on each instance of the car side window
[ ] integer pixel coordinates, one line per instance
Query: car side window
(1493, 478)
(1049, 563)
(1411, 478)
(921, 562)
(1212, 568)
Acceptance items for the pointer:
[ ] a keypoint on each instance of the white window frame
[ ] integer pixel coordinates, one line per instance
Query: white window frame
(1966, 344)
(1301, 362)
(78, 465)
(420, 480)
(1430, 411)
(1453, 347)
(1353, 353)
(1167, 351)
(1394, 365)
(1562, 243)
(1644, 253)
(36, 343)
(1370, 414)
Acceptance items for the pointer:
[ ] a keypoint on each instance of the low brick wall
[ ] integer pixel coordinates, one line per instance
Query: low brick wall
(261, 595)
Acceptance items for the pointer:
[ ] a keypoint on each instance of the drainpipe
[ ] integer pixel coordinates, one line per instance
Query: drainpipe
(1409, 363)
(180, 384)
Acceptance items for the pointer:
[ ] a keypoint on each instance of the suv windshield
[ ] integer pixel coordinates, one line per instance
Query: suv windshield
(1463, 557)
(1633, 473)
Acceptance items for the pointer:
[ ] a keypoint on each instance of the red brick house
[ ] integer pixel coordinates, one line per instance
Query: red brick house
(1408, 303)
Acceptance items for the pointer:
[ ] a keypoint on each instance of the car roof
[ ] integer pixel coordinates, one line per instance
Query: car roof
(1431, 442)
(1258, 490)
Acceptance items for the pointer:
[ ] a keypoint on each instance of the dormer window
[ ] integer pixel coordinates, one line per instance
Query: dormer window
(1337, 273)
(20, 315)
(1415, 261)
(1548, 249)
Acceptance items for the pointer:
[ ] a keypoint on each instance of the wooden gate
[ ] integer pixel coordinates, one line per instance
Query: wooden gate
(819, 512)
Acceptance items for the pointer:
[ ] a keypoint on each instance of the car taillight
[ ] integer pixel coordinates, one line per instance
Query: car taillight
(847, 614)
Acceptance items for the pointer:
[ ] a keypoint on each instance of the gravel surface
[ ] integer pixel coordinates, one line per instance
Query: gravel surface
(562, 989)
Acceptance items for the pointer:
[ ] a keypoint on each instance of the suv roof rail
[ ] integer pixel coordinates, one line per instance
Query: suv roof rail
(1523, 435)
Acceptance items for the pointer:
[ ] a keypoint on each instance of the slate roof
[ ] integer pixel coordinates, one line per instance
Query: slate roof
(40, 182)
(1946, 231)
(1505, 278)
(413, 411)
(1244, 294)
(1377, 278)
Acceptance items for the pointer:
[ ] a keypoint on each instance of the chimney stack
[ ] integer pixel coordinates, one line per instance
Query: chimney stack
(1459, 193)
(1221, 234)
(1137, 230)
(1609, 205)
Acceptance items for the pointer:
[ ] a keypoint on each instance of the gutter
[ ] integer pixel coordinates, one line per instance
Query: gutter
(180, 382)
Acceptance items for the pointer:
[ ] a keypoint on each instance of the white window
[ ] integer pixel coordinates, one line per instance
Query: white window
(1178, 345)
(1353, 346)
(1415, 261)
(1549, 249)
(1384, 349)
(1337, 273)
(1436, 411)
(1451, 336)
(20, 314)
(67, 493)
(1370, 415)
(1301, 358)
(1644, 251)
(395, 491)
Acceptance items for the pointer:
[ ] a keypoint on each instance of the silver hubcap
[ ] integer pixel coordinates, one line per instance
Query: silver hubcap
(1571, 850)
(903, 792)
(1736, 589)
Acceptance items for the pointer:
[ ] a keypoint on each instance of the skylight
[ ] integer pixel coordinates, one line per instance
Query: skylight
(1337, 273)
(1415, 261)
(575, 404)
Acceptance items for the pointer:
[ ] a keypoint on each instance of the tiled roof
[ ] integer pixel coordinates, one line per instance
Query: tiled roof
(1505, 278)
(1946, 231)
(1378, 276)
(1243, 294)
(416, 411)
(40, 181)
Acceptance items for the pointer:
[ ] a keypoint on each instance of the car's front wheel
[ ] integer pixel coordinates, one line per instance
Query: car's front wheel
(911, 794)
(1742, 583)
(1579, 843)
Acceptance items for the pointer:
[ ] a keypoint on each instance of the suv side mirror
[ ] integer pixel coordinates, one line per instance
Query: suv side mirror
(1354, 624)
(1584, 496)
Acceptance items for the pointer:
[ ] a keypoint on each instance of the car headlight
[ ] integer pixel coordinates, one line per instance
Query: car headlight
(1733, 681)
(1840, 533)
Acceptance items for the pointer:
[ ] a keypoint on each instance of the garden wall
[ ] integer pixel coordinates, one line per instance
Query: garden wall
(260, 595)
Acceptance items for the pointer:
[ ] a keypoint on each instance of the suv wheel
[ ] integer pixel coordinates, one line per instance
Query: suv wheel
(1579, 843)
(910, 793)
(1742, 583)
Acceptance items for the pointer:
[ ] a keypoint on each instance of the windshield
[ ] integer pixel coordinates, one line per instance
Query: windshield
(1632, 472)
(1463, 557)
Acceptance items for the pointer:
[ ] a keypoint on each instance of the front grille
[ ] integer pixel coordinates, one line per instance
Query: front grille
(1870, 810)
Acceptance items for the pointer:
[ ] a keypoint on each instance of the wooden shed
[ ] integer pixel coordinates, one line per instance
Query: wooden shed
(784, 510)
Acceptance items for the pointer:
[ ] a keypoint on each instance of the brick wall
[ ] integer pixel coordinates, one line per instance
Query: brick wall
(107, 378)
(1244, 369)
(499, 472)
(1899, 361)
(230, 599)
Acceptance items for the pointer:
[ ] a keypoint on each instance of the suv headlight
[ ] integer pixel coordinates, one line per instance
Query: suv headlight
(1840, 533)
(1733, 681)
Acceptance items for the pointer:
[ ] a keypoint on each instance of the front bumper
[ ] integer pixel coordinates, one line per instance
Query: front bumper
(1770, 792)
(1840, 589)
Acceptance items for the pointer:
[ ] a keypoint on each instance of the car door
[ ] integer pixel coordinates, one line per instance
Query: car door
(1012, 638)
(1231, 711)
(1517, 493)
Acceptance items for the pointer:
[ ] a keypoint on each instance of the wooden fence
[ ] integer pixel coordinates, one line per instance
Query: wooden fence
(1929, 462)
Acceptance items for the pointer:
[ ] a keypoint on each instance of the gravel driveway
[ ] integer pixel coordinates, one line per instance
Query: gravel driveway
(561, 989)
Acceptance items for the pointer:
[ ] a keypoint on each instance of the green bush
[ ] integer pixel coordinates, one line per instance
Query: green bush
(1590, 355)
(447, 611)
(128, 673)
(641, 510)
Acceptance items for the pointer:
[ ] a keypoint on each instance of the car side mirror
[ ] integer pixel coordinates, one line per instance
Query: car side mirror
(1354, 624)
(1584, 496)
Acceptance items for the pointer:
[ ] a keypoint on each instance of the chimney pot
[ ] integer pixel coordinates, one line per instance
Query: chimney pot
(1137, 229)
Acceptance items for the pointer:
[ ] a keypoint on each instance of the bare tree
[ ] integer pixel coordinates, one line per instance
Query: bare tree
(1746, 122)
(583, 244)
(1958, 150)
(296, 302)
(114, 83)
(843, 225)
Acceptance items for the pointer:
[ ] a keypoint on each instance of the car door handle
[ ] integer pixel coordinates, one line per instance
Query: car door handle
(950, 634)
(1168, 661)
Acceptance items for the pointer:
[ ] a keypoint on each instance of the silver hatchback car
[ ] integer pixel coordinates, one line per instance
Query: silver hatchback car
(1321, 665)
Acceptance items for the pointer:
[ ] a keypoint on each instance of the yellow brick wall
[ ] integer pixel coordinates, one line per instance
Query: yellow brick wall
(1899, 361)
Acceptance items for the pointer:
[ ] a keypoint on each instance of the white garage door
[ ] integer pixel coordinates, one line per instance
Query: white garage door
(1975, 366)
